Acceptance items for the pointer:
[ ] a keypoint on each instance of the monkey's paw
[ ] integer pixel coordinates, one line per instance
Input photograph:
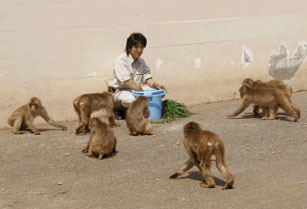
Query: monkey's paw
(175, 175)
(230, 116)
(115, 125)
(206, 185)
(227, 187)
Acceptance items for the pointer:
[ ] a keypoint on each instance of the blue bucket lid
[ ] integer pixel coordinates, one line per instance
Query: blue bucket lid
(149, 93)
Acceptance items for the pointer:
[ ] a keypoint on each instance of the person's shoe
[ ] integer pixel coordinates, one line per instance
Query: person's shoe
(117, 115)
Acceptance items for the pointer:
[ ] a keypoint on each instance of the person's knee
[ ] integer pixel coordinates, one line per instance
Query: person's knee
(125, 98)
(128, 101)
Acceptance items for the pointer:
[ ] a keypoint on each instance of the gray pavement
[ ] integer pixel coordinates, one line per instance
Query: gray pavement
(267, 158)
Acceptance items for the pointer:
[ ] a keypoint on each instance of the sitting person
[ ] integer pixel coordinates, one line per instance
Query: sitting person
(129, 72)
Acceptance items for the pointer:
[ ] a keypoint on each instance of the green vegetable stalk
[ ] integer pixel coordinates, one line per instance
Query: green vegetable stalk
(173, 110)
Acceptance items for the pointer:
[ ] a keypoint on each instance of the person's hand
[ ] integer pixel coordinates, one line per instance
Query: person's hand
(157, 86)
(139, 88)
(163, 87)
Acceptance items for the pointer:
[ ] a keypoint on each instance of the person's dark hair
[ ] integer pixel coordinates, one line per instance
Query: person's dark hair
(134, 39)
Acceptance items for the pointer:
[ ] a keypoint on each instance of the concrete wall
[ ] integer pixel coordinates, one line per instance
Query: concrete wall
(52, 48)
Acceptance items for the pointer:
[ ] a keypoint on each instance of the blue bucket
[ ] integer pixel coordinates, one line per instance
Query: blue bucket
(155, 101)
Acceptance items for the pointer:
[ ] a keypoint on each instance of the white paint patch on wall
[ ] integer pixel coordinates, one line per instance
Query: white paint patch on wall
(301, 51)
(159, 62)
(92, 75)
(287, 82)
(197, 62)
(283, 67)
(247, 57)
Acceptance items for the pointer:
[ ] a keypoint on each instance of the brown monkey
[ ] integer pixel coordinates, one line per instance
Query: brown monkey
(270, 84)
(87, 103)
(134, 118)
(101, 140)
(265, 97)
(203, 147)
(22, 118)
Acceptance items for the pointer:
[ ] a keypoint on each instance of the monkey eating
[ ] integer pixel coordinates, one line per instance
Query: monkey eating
(203, 147)
(102, 141)
(269, 97)
(86, 104)
(22, 118)
(134, 118)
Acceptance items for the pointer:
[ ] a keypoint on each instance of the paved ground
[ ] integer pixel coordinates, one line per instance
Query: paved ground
(267, 158)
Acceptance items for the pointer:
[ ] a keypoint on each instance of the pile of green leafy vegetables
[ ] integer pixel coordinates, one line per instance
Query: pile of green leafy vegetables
(172, 110)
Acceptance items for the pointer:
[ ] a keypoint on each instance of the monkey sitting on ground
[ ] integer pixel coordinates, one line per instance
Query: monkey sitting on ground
(102, 141)
(134, 117)
(203, 147)
(86, 104)
(270, 84)
(22, 118)
(272, 98)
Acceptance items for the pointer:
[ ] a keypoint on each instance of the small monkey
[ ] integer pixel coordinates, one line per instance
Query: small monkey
(86, 104)
(101, 140)
(134, 118)
(203, 147)
(22, 118)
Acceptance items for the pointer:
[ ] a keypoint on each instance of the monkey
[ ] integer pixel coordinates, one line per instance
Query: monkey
(134, 118)
(270, 84)
(102, 141)
(265, 97)
(85, 104)
(22, 118)
(203, 147)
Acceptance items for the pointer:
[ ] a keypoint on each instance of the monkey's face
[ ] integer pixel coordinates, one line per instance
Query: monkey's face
(136, 51)
(248, 82)
(34, 106)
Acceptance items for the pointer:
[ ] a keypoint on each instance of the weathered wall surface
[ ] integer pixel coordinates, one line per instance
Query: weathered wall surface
(201, 50)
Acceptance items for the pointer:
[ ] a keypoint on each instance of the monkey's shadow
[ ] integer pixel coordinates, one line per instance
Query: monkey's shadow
(49, 129)
(279, 116)
(28, 131)
(195, 175)
(110, 155)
